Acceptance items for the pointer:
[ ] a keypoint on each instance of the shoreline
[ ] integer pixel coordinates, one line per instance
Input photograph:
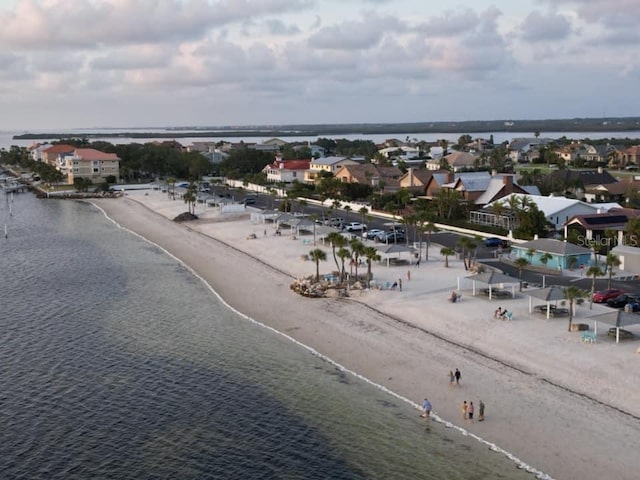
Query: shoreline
(410, 360)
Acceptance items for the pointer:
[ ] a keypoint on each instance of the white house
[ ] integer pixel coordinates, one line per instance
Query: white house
(326, 164)
(286, 170)
(558, 210)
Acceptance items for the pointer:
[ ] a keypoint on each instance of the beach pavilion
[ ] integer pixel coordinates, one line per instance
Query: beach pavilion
(494, 280)
(548, 294)
(394, 251)
(617, 319)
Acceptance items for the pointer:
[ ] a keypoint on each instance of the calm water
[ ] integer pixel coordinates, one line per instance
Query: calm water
(6, 139)
(117, 363)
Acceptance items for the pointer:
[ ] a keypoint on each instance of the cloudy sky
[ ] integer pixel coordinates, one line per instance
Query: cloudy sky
(154, 63)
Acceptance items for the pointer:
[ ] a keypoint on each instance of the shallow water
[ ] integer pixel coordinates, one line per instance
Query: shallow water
(116, 362)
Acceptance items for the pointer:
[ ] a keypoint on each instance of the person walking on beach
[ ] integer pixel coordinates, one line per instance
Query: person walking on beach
(452, 379)
(481, 412)
(400, 284)
(418, 263)
(426, 408)
(470, 412)
(409, 275)
(458, 375)
(464, 409)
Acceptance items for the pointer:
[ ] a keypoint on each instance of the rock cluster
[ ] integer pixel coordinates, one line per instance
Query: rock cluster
(308, 287)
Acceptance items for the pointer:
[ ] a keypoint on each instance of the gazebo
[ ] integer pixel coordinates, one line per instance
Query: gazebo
(493, 279)
(392, 249)
(617, 319)
(548, 294)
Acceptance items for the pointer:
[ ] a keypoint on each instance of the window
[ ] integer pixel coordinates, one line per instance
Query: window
(96, 170)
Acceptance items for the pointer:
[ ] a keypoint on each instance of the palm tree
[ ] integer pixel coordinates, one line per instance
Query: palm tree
(521, 263)
(363, 214)
(171, 188)
(357, 250)
(303, 203)
(593, 271)
(343, 254)
(337, 241)
(466, 245)
(611, 261)
(371, 255)
(573, 294)
(446, 252)
(318, 255)
(530, 253)
(346, 209)
(545, 257)
(190, 199)
(313, 217)
(429, 228)
(572, 262)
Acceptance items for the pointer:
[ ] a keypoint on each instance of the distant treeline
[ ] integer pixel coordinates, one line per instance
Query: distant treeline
(520, 126)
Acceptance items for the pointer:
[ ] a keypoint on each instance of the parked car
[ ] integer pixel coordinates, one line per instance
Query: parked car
(372, 234)
(336, 222)
(354, 227)
(604, 295)
(250, 200)
(621, 300)
(391, 237)
(493, 242)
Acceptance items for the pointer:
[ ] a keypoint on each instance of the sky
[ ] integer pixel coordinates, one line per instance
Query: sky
(156, 63)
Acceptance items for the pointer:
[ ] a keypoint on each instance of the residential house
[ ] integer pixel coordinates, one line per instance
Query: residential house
(563, 254)
(90, 164)
(400, 153)
(276, 142)
(579, 181)
(557, 210)
(369, 174)
(461, 160)
(36, 150)
(629, 256)
(477, 187)
(596, 153)
(416, 180)
(500, 185)
(594, 226)
(286, 171)
(326, 164)
(522, 150)
(316, 150)
(53, 154)
(627, 156)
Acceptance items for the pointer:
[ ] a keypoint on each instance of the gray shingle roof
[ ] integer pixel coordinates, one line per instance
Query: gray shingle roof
(550, 245)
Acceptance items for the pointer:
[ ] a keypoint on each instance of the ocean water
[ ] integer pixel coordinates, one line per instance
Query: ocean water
(117, 363)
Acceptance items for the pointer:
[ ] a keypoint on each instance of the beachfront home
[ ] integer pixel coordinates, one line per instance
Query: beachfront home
(89, 164)
(625, 157)
(286, 171)
(523, 150)
(563, 254)
(54, 154)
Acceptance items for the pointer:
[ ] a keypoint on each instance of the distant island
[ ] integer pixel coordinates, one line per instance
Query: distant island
(473, 126)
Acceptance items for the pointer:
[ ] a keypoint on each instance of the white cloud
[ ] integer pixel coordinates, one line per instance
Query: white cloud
(284, 60)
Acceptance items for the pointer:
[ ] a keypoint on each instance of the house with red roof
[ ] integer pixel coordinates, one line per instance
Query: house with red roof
(90, 164)
(52, 154)
(286, 170)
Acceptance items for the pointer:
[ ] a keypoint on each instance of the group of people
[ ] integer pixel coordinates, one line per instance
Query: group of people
(501, 314)
(397, 284)
(468, 409)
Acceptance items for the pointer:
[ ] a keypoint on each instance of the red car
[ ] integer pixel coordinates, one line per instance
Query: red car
(604, 295)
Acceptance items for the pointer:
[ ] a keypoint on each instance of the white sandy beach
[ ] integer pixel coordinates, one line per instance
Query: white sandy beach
(569, 409)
